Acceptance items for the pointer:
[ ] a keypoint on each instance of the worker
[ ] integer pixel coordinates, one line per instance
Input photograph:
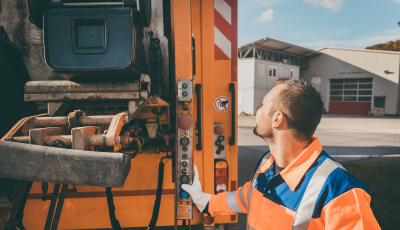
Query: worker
(296, 185)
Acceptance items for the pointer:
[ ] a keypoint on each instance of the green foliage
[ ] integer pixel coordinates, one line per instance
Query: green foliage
(389, 46)
(383, 178)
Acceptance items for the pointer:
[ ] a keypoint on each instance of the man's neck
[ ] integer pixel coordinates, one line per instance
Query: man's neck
(286, 149)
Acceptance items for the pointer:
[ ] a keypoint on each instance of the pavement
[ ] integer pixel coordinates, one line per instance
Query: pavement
(345, 137)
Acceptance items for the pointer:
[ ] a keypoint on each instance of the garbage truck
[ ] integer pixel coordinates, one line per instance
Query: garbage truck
(107, 105)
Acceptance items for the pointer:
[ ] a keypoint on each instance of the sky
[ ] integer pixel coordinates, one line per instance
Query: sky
(318, 23)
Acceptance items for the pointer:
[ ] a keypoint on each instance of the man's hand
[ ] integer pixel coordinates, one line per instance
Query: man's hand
(200, 198)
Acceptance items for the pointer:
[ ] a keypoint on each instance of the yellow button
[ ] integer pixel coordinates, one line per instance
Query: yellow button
(185, 133)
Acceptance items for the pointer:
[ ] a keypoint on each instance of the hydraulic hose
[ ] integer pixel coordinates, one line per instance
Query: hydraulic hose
(157, 202)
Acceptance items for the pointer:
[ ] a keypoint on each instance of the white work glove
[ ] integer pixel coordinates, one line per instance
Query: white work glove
(200, 199)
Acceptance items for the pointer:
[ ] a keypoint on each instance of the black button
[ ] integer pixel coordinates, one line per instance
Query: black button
(221, 147)
(184, 156)
(184, 148)
(218, 152)
(184, 141)
(221, 138)
(184, 163)
(184, 171)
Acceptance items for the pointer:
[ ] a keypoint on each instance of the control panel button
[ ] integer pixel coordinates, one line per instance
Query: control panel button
(184, 179)
(221, 147)
(184, 171)
(217, 142)
(221, 138)
(184, 85)
(184, 141)
(184, 164)
(184, 194)
(184, 148)
(185, 133)
(218, 152)
(184, 93)
(184, 156)
(185, 122)
(218, 130)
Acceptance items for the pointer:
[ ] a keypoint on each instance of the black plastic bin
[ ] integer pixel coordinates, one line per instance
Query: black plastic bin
(94, 43)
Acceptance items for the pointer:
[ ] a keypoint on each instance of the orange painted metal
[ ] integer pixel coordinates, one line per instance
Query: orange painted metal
(87, 209)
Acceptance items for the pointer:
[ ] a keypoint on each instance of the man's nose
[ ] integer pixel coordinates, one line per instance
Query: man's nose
(258, 107)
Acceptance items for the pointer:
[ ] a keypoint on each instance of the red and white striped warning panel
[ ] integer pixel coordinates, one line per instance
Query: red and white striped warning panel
(225, 31)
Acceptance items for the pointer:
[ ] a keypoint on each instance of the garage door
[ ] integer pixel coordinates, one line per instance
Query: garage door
(350, 96)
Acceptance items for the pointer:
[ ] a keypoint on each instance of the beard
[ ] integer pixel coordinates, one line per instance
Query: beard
(265, 133)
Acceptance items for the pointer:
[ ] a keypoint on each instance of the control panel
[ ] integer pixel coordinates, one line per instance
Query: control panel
(185, 90)
(184, 150)
(219, 142)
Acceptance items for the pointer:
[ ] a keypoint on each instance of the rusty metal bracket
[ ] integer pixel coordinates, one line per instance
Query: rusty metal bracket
(79, 136)
(73, 118)
(38, 136)
(112, 136)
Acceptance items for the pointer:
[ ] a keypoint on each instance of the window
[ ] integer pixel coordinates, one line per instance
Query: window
(358, 89)
(272, 72)
(291, 74)
(379, 102)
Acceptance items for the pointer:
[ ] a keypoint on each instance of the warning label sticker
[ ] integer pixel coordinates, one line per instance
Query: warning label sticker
(222, 104)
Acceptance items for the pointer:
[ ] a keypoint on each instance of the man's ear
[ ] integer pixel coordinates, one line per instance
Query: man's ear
(278, 120)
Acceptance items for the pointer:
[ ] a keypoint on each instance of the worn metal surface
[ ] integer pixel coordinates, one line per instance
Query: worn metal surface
(14, 16)
(61, 141)
(53, 87)
(79, 136)
(62, 166)
(114, 130)
(96, 140)
(38, 136)
(40, 122)
(157, 27)
(152, 129)
(56, 108)
(81, 96)
(95, 120)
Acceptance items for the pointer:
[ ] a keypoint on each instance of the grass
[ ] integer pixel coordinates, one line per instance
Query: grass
(383, 179)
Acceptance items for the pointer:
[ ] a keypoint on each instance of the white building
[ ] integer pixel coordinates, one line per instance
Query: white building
(261, 64)
(351, 81)
(356, 81)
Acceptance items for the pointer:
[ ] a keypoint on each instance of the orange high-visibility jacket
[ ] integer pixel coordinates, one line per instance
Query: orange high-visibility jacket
(313, 192)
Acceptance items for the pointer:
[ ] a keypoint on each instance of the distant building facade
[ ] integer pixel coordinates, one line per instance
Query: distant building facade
(356, 81)
(351, 81)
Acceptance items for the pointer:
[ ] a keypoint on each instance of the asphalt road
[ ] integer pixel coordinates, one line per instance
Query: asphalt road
(346, 139)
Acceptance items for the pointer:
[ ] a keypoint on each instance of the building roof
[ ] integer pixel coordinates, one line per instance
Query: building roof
(275, 45)
(362, 50)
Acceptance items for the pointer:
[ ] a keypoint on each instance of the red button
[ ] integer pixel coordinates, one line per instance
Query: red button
(218, 130)
(209, 220)
(185, 122)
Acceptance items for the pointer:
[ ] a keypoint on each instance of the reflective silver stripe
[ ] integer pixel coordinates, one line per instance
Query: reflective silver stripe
(314, 187)
(241, 196)
(339, 165)
(231, 198)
